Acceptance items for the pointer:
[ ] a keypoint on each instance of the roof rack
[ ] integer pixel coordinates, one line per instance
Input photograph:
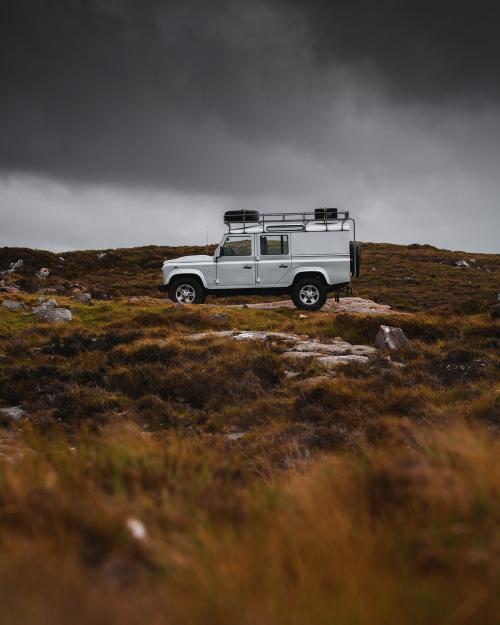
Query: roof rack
(323, 215)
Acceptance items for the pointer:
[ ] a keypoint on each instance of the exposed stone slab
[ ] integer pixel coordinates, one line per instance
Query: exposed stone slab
(356, 305)
(266, 336)
(338, 361)
(200, 336)
(335, 348)
(301, 355)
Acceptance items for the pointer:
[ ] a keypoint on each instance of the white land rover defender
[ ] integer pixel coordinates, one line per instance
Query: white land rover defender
(303, 254)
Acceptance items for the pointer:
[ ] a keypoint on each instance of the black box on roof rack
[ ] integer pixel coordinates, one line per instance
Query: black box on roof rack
(241, 216)
(325, 213)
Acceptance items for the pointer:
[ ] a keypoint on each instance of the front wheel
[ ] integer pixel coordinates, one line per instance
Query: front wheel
(186, 291)
(309, 293)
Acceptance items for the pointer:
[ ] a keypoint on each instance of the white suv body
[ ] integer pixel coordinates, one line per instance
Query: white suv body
(270, 256)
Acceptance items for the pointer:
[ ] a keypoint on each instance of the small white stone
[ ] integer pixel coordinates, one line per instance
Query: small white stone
(136, 528)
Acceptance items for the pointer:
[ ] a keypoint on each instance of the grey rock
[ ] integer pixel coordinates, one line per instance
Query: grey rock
(16, 265)
(352, 305)
(495, 311)
(12, 413)
(266, 336)
(461, 263)
(338, 361)
(11, 304)
(498, 297)
(13, 267)
(43, 273)
(336, 348)
(391, 338)
(235, 436)
(54, 315)
(44, 305)
(292, 355)
(83, 298)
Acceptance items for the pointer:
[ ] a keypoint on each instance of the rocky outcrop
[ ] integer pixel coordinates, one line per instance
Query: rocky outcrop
(333, 354)
(355, 305)
(391, 338)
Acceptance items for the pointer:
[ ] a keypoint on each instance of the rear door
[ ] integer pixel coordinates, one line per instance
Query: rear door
(236, 263)
(274, 266)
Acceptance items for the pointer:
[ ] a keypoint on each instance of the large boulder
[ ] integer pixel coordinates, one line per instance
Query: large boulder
(495, 311)
(391, 338)
(54, 315)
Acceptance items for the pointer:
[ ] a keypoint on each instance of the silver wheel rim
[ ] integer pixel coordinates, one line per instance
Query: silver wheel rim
(309, 294)
(185, 293)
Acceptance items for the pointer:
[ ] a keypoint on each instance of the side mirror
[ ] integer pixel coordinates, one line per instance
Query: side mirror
(217, 253)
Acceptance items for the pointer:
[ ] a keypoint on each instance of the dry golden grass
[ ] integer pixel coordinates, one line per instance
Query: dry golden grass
(371, 498)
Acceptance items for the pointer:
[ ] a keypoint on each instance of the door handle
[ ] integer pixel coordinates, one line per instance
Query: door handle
(247, 266)
(282, 266)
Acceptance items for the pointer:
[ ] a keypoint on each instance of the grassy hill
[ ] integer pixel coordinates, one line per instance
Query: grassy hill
(157, 478)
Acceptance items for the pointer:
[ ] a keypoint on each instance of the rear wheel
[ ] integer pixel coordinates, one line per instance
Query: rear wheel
(186, 291)
(309, 293)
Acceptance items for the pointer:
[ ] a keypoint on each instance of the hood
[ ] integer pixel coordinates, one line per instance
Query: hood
(199, 258)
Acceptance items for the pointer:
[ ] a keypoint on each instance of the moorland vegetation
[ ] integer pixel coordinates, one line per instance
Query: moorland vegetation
(153, 478)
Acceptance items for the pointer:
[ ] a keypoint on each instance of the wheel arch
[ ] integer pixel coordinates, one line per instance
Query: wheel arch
(311, 272)
(192, 273)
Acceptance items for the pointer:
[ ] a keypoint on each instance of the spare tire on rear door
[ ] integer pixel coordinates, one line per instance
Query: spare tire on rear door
(242, 216)
(355, 253)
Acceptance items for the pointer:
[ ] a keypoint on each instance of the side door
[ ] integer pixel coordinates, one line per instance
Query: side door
(274, 266)
(236, 266)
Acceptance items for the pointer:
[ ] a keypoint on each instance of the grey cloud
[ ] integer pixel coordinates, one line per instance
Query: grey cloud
(148, 108)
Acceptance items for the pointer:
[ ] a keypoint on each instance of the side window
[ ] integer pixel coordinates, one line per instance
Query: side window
(274, 245)
(237, 246)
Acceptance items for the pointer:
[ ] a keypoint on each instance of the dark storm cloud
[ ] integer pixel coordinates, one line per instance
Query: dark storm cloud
(173, 93)
(389, 108)
(140, 91)
(425, 49)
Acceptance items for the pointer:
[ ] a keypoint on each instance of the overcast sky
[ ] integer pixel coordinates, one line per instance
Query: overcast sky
(131, 122)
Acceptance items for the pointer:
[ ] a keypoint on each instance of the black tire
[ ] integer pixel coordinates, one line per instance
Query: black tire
(355, 253)
(192, 293)
(317, 293)
(241, 216)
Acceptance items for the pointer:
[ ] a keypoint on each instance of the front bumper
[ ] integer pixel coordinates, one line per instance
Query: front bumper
(163, 287)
